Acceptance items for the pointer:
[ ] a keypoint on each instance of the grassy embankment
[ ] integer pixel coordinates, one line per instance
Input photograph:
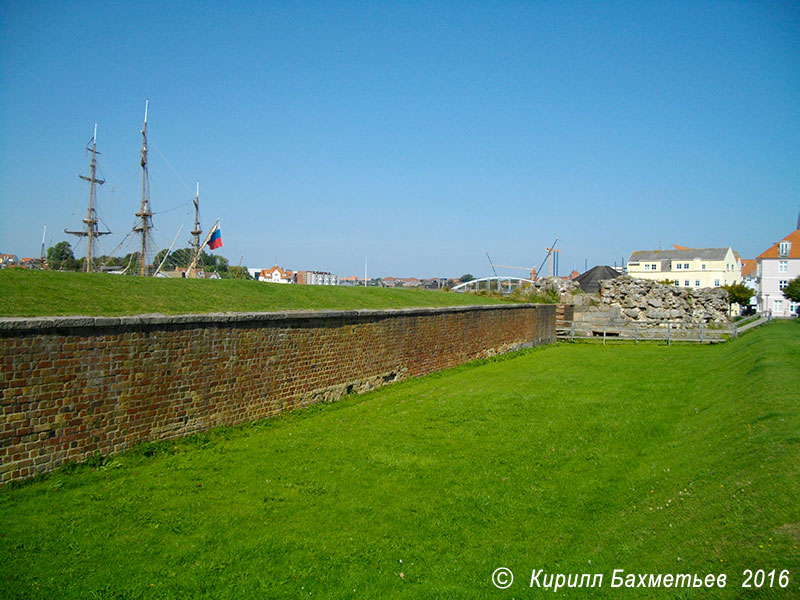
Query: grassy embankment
(41, 293)
(571, 458)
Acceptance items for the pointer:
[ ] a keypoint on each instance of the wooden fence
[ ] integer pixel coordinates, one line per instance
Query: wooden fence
(701, 334)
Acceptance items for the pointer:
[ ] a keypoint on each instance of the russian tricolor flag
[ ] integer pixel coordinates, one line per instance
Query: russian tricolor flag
(215, 241)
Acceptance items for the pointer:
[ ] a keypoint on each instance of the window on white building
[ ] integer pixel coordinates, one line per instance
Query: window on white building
(685, 265)
(783, 265)
(678, 266)
(783, 249)
(686, 283)
(783, 283)
(647, 267)
(716, 283)
(777, 306)
(696, 283)
(703, 266)
(677, 283)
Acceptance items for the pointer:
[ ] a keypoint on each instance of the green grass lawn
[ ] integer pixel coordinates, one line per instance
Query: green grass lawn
(573, 458)
(25, 293)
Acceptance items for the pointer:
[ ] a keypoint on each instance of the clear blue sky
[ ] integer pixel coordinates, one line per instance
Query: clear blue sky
(417, 134)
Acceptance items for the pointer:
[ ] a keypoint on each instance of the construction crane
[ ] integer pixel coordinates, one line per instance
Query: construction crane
(549, 258)
(530, 270)
(553, 252)
(490, 263)
(534, 272)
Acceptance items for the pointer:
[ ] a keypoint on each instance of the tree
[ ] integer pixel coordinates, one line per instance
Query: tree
(216, 263)
(738, 293)
(237, 273)
(792, 290)
(175, 260)
(60, 257)
(466, 277)
(111, 261)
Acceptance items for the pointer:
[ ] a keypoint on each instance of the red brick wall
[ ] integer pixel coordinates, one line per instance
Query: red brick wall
(75, 386)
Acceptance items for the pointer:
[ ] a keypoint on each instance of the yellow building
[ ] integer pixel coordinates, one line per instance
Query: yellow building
(688, 267)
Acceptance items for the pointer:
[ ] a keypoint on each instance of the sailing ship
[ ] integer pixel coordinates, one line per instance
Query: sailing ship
(144, 218)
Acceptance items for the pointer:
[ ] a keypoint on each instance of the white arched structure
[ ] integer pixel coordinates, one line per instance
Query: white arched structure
(504, 284)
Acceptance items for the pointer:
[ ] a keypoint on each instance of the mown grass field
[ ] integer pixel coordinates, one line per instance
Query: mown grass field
(574, 458)
(26, 293)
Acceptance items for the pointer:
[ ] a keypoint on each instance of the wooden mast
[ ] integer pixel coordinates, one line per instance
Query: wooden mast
(90, 232)
(196, 232)
(144, 211)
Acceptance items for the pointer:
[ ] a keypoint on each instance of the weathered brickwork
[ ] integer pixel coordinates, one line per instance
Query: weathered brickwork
(73, 387)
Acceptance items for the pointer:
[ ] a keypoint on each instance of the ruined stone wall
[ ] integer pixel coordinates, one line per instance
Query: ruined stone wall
(626, 302)
(75, 386)
(647, 301)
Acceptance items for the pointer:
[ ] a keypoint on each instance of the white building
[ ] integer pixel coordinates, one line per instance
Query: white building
(276, 274)
(316, 278)
(687, 267)
(777, 266)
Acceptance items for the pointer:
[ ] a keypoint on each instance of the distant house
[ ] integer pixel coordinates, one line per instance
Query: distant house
(687, 267)
(777, 266)
(276, 274)
(749, 267)
(8, 260)
(409, 281)
(30, 263)
(750, 279)
(350, 281)
(434, 283)
(316, 278)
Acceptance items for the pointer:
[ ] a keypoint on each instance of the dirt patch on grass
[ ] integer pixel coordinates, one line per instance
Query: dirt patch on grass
(790, 529)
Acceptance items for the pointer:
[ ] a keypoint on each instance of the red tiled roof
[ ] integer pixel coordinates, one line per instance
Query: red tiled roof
(749, 266)
(794, 250)
(283, 272)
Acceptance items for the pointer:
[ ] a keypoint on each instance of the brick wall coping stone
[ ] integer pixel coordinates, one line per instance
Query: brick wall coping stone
(11, 325)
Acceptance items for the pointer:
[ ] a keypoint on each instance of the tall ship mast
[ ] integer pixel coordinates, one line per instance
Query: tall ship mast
(144, 211)
(90, 232)
(196, 233)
